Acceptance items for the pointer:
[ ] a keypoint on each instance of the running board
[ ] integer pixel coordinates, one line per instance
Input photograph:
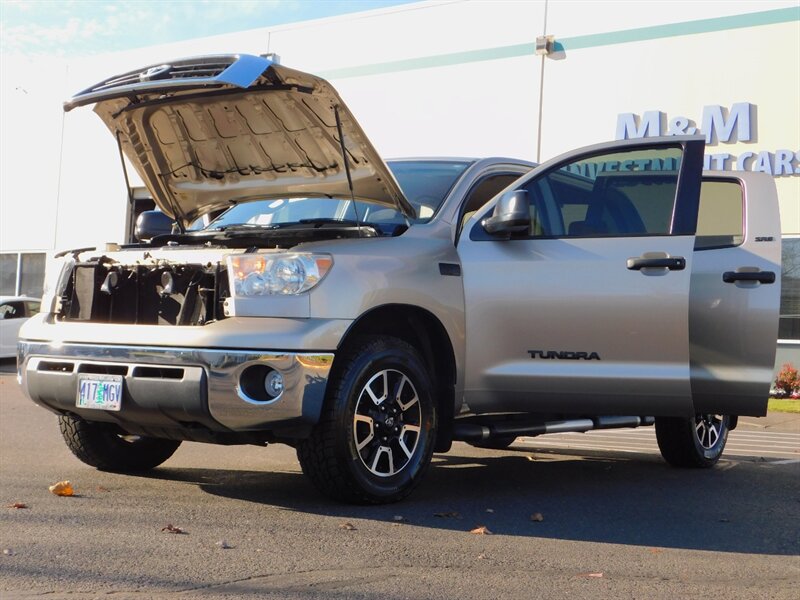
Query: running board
(471, 432)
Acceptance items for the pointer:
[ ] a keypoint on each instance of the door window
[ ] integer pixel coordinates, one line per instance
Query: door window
(629, 193)
(720, 221)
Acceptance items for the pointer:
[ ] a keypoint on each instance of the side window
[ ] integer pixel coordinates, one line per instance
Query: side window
(12, 310)
(32, 308)
(485, 190)
(720, 222)
(789, 328)
(608, 195)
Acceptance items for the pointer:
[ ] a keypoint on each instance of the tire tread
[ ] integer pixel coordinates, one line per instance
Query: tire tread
(96, 445)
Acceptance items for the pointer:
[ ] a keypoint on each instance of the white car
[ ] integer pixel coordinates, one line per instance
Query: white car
(14, 311)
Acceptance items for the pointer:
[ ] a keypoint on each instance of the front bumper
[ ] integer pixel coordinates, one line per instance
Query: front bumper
(174, 389)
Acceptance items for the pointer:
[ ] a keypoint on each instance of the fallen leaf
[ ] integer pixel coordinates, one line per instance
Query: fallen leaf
(18, 505)
(655, 550)
(8, 552)
(399, 519)
(62, 488)
(100, 488)
(482, 556)
(591, 575)
(537, 517)
(347, 526)
(224, 545)
(448, 515)
(170, 528)
(481, 530)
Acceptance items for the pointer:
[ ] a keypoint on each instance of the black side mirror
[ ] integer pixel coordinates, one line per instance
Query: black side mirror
(151, 223)
(511, 214)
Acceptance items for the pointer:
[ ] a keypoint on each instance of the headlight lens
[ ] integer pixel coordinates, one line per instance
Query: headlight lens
(57, 273)
(276, 274)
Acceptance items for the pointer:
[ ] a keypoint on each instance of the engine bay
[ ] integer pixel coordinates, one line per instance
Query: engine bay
(103, 291)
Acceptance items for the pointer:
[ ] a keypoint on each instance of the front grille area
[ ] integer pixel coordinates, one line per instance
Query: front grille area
(160, 295)
(206, 67)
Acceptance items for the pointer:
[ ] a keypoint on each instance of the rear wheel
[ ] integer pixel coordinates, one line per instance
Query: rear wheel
(106, 447)
(696, 443)
(376, 435)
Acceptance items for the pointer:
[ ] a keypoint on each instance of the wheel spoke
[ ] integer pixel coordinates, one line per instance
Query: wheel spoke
(405, 449)
(405, 406)
(402, 439)
(378, 400)
(369, 437)
(380, 452)
(713, 435)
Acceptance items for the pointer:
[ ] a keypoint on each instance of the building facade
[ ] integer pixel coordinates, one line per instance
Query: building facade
(446, 78)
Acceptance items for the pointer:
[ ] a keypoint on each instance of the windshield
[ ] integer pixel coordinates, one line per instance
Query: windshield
(424, 183)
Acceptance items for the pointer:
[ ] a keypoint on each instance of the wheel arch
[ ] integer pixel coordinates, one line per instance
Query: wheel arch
(424, 331)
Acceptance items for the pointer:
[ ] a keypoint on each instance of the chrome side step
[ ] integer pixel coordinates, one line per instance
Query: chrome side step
(470, 432)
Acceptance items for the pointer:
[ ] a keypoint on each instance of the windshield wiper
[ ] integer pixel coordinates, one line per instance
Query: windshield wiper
(324, 221)
(241, 227)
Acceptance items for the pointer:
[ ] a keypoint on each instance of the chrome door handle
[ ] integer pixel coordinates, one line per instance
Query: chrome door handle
(673, 263)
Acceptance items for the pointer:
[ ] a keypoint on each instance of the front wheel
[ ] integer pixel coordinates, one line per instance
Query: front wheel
(376, 435)
(106, 447)
(694, 443)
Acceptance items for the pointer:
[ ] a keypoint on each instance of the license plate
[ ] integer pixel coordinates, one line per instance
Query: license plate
(103, 392)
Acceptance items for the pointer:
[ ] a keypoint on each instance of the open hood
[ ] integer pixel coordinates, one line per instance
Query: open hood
(207, 132)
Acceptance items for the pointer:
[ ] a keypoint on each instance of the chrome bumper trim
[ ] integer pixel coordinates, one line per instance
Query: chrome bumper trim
(300, 402)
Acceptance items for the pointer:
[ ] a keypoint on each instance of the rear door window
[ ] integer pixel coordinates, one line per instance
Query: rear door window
(720, 221)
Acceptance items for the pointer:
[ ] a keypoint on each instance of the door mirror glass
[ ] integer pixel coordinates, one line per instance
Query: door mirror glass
(511, 214)
(151, 223)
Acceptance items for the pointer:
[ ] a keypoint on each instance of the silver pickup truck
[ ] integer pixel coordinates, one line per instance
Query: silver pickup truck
(304, 291)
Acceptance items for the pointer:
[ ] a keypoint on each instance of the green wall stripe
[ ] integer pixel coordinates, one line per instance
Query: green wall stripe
(767, 17)
(439, 60)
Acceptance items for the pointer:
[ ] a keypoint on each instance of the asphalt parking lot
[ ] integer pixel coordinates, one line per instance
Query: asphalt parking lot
(616, 522)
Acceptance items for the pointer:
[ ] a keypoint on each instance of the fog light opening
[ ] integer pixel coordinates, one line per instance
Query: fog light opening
(260, 383)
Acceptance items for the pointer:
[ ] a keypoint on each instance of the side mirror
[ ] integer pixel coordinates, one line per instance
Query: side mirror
(511, 214)
(151, 223)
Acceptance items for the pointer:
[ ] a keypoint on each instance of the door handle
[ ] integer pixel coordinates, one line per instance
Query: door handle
(673, 263)
(759, 276)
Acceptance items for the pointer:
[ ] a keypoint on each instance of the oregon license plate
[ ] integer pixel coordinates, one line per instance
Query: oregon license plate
(103, 392)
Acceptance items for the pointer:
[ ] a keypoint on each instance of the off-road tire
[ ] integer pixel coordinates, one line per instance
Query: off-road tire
(105, 447)
(681, 444)
(330, 456)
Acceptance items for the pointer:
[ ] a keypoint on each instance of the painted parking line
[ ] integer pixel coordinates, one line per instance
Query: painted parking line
(770, 445)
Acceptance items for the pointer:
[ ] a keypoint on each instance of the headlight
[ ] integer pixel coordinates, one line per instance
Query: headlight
(276, 274)
(57, 273)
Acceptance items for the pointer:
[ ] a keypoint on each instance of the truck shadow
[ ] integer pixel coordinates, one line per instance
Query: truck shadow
(614, 498)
